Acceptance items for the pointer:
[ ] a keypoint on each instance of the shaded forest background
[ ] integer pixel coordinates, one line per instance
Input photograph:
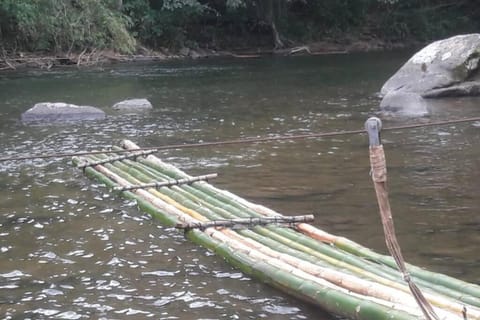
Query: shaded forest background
(124, 26)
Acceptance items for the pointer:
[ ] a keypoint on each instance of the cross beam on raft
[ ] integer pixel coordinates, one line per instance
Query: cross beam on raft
(116, 158)
(251, 222)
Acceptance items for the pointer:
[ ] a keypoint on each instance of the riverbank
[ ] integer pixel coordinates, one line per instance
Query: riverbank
(90, 58)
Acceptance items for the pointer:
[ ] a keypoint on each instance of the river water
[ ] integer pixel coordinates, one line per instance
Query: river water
(71, 250)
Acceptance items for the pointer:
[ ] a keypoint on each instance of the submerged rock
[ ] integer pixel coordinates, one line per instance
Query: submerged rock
(449, 67)
(133, 105)
(405, 103)
(60, 111)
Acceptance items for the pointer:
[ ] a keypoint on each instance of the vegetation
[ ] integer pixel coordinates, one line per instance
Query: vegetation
(64, 26)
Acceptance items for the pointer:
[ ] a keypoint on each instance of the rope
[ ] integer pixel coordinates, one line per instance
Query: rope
(238, 141)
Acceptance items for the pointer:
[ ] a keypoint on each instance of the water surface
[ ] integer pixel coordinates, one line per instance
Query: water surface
(71, 250)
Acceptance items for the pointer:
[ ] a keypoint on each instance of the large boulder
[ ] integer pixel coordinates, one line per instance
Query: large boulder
(133, 105)
(60, 111)
(447, 67)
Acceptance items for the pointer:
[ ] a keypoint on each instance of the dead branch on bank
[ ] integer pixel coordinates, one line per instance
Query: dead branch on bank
(86, 58)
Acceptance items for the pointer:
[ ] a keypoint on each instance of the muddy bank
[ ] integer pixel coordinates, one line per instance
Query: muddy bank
(88, 58)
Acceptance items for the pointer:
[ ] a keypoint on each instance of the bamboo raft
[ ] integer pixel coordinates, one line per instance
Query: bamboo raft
(332, 272)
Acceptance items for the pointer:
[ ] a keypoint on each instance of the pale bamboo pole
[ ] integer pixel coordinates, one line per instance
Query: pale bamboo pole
(180, 173)
(438, 300)
(444, 301)
(354, 286)
(171, 209)
(323, 236)
(322, 272)
(226, 214)
(346, 281)
(350, 246)
(351, 283)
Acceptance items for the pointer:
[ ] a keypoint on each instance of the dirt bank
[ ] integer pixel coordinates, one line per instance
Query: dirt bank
(39, 60)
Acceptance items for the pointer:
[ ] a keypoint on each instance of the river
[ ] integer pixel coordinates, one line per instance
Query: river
(69, 249)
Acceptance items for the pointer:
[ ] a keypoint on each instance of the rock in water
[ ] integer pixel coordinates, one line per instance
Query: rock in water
(60, 111)
(404, 103)
(439, 70)
(133, 105)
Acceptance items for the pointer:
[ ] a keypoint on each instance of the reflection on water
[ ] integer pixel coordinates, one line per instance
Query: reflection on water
(71, 250)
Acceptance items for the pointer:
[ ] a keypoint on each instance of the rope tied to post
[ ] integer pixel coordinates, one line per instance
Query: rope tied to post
(378, 164)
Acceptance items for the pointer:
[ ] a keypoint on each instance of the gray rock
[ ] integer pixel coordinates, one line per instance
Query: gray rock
(60, 111)
(133, 105)
(404, 103)
(439, 65)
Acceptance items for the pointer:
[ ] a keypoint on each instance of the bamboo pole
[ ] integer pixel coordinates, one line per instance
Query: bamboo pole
(169, 183)
(143, 204)
(345, 244)
(452, 287)
(438, 282)
(118, 165)
(370, 308)
(350, 282)
(131, 179)
(176, 172)
(438, 300)
(215, 206)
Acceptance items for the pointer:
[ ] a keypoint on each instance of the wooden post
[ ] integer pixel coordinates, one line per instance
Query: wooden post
(379, 176)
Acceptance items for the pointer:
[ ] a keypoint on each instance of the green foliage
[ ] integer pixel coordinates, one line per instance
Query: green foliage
(164, 24)
(424, 20)
(316, 19)
(76, 25)
(61, 25)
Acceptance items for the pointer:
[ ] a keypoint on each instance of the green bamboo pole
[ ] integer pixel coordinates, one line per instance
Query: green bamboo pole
(354, 284)
(130, 178)
(360, 251)
(333, 301)
(465, 298)
(467, 292)
(436, 278)
(223, 212)
(233, 209)
(167, 178)
(144, 205)
(323, 276)
(359, 308)
(452, 292)
(468, 289)
(438, 301)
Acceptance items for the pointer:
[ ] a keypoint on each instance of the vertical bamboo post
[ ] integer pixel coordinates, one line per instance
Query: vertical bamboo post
(373, 127)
